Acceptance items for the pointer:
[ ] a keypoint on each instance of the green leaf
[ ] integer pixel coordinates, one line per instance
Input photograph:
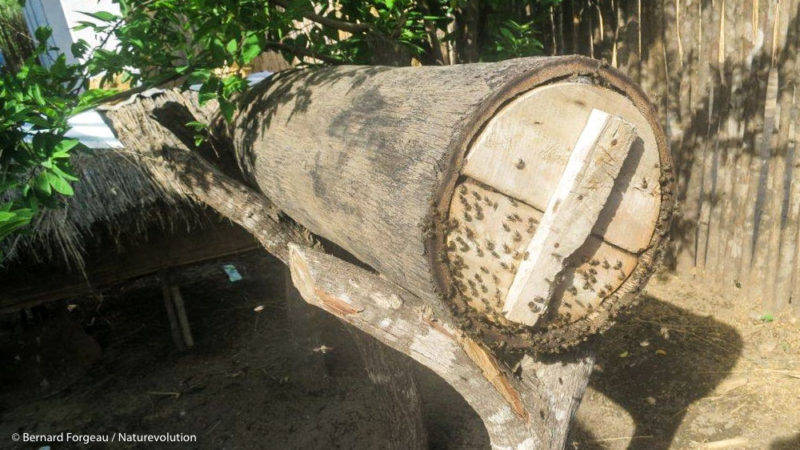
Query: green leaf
(231, 46)
(105, 16)
(63, 147)
(63, 173)
(42, 34)
(59, 184)
(42, 184)
(227, 109)
(251, 48)
(197, 126)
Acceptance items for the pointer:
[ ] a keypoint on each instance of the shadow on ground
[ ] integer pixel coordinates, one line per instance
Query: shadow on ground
(654, 363)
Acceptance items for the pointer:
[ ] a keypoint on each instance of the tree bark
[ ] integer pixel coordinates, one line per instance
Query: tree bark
(398, 399)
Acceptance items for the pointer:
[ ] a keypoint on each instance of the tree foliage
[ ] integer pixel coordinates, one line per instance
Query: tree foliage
(207, 44)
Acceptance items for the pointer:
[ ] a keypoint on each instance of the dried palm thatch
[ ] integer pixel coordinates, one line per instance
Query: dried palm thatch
(115, 193)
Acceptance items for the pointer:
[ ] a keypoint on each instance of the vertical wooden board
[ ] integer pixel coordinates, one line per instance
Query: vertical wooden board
(764, 220)
(537, 132)
(572, 212)
(733, 215)
(707, 186)
(788, 249)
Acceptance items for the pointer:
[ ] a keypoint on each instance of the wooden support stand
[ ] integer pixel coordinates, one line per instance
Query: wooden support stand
(530, 409)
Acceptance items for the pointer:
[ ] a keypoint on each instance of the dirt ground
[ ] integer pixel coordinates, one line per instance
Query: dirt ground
(686, 369)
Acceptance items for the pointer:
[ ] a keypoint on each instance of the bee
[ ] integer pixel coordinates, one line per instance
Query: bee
(470, 234)
(520, 164)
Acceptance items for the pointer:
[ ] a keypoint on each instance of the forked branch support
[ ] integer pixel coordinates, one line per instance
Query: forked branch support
(531, 409)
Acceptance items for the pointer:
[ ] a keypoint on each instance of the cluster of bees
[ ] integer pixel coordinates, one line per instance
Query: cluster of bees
(494, 258)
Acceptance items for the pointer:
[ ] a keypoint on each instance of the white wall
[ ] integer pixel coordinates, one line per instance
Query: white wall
(62, 16)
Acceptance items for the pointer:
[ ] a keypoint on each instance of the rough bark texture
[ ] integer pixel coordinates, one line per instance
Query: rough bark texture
(160, 147)
(529, 409)
(368, 156)
(724, 75)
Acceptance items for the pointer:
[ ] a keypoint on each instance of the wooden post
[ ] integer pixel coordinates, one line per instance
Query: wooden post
(183, 319)
(168, 305)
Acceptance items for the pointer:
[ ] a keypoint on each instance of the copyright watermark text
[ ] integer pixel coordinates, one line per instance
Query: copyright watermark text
(86, 439)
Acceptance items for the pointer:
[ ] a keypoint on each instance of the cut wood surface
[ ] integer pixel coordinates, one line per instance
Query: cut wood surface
(484, 252)
(572, 212)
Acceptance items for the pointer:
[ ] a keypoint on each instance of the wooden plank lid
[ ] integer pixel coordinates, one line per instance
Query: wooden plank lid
(558, 196)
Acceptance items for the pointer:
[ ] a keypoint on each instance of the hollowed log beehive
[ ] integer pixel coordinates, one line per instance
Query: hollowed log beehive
(528, 197)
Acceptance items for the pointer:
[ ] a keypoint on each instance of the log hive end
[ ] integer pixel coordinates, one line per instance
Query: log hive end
(509, 175)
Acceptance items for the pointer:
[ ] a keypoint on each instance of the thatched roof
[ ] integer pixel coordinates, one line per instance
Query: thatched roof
(113, 192)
